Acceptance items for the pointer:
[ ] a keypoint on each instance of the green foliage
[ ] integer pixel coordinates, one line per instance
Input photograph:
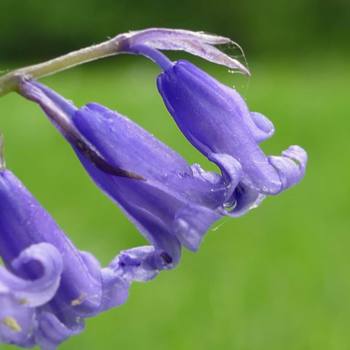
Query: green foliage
(44, 28)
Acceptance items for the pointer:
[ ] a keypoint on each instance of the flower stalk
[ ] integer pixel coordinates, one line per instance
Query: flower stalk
(196, 43)
(9, 82)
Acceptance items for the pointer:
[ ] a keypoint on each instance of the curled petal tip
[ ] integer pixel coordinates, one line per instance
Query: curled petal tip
(243, 69)
(290, 166)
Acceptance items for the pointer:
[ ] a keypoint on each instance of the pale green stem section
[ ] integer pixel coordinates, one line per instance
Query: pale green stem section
(9, 82)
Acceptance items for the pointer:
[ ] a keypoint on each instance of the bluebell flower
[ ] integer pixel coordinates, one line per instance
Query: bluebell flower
(169, 201)
(172, 203)
(47, 286)
(216, 119)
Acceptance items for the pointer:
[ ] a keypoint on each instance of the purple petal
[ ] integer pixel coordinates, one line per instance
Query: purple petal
(38, 291)
(112, 134)
(216, 120)
(290, 166)
(138, 264)
(17, 322)
(243, 199)
(169, 183)
(19, 297)
(24, 222)
(59, 111)
(171, 191)
(262, 128)
(191, 223)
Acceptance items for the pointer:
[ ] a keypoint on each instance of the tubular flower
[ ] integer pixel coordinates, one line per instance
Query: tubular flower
(215, 118)
(170, 202)
(47, 286)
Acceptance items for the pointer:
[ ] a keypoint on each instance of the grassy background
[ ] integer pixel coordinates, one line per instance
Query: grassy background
(274, 279)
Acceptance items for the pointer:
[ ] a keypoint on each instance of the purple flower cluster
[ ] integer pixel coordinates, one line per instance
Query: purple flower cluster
(47, 286)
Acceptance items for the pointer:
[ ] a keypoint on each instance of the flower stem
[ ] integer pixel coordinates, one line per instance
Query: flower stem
(9, 82)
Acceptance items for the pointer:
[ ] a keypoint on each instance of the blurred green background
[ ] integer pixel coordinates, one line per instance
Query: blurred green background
(277, 278)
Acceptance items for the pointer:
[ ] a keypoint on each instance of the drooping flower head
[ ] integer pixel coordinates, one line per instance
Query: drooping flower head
(215, 118)
(47, 286)
(169, 201)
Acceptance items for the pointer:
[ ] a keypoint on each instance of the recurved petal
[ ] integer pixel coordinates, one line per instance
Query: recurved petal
(19, 298)
(191, 224)
(263, 128)
(24, 222)
(38, 291)
(139, 264)
(243, 199)
(231, 170)
(290, 166)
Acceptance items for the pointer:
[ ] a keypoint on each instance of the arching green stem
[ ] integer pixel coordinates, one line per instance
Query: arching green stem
(9, 82)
